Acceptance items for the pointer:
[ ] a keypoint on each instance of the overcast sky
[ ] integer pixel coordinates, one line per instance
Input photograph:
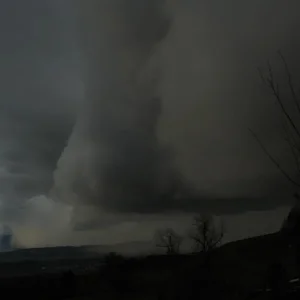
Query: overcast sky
(210, 94)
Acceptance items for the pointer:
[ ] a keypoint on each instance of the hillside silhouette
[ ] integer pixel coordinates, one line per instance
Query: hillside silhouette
(238, 269)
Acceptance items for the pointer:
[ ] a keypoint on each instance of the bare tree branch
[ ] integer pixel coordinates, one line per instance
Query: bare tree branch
(169, 240)
(275, 162)
(290, 81)
(292, 145)
(205, 235)
(274, 87)
(290, 124)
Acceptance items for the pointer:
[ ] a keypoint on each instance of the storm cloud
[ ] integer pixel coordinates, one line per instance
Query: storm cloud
(113, 106)
(202, 57)
(125, 167)
(36, 109)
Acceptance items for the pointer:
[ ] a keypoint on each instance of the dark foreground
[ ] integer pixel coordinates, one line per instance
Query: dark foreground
(235, 271)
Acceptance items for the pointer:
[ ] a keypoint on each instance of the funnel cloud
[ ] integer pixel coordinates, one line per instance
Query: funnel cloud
(169, 95)
(116, 113)
(125, 167)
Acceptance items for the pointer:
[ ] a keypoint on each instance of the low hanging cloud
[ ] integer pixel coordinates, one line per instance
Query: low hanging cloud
(39, 221)
(37, 111)
(121, 165)
(170, 90)
(39, 92)
(155, 100)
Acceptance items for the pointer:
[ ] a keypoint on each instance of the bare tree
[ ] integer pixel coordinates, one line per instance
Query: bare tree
(290, 118)
(205, 234)
(169, 240)
(289, 105)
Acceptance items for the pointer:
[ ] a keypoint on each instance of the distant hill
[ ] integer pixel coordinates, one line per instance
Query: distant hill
(248, 260)
(243, 262)
(254, 247)
(74, 252)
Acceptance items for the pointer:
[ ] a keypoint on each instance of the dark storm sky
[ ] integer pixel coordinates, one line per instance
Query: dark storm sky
(211, 95)
(39, 91)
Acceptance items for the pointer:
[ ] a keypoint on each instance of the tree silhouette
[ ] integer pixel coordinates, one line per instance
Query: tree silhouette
(205, 234)
(169, 240)
(289, 105)
(291, 117)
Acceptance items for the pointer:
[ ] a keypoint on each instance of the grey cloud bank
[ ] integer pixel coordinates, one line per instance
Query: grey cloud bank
(165, 99)
(36, 108)
(208, 95)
